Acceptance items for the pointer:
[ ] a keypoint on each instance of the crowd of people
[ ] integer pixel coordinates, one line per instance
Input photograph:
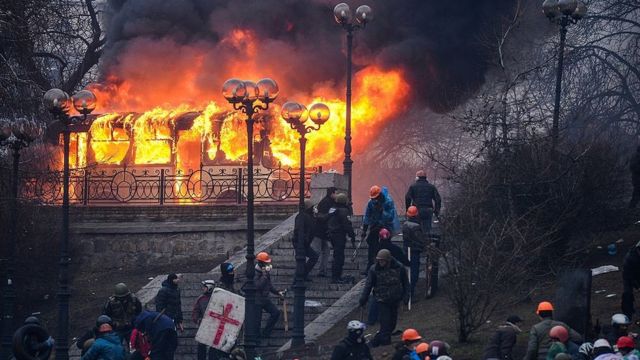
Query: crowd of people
(124, 329)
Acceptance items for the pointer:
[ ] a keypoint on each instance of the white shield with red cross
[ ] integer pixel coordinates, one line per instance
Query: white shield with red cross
(221, 323)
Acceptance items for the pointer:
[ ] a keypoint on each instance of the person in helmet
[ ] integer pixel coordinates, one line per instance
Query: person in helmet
(415, 239)
(122, 307)
(539, 340)
(169, 300)
(384, 242)
(560, 343)
(379, 213)
(425, 197)
(90, 335)
(627, 348)
(585, 351)
(264, 287)
(439, 349)
(32, 341)
(422, 350)
(406, 349)
(354, 345)
(199, 309)
(501, 344)
(602, 351)
(339, 228)
(321, 236)
(619, 327)
(227, 277)
(303, 232)
(107, 346)
(388, 280)
(630, 279)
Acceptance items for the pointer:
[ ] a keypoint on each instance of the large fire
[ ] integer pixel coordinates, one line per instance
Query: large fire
(178, 121)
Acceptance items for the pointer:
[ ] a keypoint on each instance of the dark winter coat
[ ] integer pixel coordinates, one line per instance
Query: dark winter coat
(338, 223)
(631, 268)
(322, 216)
(424, 196)
(401, 353)
(106, 347)
(539, 340)
(502, 342)
(152, 323)
(412, 235)
(122, 311)
(263, 284)
(350, 349)
(634, 167)
(395, 251)
(390, 284)
(303, 219)
(200, 307)
(89, 334)
(168, 299)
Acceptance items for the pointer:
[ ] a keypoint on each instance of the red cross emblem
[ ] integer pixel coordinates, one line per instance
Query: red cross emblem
(224, 319)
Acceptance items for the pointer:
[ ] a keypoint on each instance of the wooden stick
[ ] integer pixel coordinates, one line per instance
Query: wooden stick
(286, 316)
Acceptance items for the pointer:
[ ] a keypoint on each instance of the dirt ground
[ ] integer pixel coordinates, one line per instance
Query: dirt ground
(435, 320)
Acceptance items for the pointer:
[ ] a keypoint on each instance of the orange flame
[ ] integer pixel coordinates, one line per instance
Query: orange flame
(217, 133)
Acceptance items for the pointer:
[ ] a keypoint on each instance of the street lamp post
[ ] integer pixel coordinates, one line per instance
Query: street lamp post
(563, 13)
(59, 104)
(15, 135)
(342, 14)
(296, 115)
(250, 98)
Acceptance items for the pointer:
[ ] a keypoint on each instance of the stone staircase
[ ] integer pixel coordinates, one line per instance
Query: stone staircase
(320, 293)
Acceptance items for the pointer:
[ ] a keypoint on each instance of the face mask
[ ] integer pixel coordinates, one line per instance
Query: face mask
(268, 268)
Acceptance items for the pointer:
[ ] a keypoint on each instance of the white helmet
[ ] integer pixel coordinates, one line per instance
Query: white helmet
(355, 325)
(209, 284)
(586, 348)
(620, 319)
(444, 357)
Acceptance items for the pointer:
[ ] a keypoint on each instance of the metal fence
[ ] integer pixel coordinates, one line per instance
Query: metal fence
(162, 186)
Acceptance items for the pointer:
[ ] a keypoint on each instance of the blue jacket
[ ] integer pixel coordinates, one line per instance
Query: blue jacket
(152, 323)
(382, 214)
(106, 347)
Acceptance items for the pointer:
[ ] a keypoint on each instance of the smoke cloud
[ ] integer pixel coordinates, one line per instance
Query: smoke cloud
(298, 43)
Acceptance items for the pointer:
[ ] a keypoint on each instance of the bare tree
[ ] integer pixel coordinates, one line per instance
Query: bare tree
(45, 44)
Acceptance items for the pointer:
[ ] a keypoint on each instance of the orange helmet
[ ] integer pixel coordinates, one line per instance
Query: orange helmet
(375, 191)
(263, 257)
(422, 348)
(412, 211)
(411, 335)
(559, 332)
(544, 306)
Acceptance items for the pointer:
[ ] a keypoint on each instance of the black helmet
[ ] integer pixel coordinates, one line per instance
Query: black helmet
(103, 319)
(32, 320)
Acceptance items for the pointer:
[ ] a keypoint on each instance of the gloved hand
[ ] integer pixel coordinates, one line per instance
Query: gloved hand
(50, 342)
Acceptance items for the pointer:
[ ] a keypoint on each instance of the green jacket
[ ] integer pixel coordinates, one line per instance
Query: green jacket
(539, 341)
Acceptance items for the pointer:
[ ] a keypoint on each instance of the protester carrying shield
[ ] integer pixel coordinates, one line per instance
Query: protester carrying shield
(199, 309)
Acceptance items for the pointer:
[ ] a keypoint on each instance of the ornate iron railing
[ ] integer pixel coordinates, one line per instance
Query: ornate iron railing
(163, 186)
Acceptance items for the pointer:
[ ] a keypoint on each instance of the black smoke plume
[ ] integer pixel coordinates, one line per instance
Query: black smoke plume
(434, 42)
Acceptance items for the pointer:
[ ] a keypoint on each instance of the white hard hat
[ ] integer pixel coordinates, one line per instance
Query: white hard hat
(355, 325)
(620, 319)
(209, 284)
(601, 343)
